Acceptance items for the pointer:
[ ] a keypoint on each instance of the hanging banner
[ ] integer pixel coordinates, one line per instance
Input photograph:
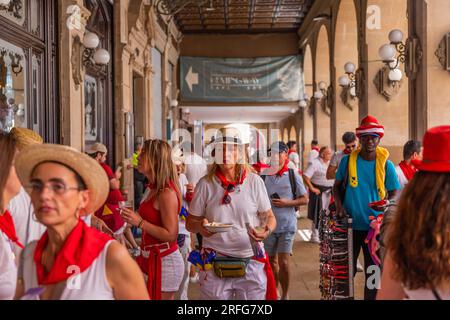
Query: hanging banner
(272, 79)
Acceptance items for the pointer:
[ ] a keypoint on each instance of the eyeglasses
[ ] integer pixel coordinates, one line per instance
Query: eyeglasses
(350, 146)
(58, 188)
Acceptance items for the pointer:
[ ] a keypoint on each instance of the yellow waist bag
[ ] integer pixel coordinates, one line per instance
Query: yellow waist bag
(230, 267)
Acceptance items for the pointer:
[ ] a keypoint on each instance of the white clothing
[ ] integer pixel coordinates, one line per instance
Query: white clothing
(87, 219)
(294, 160)
(8, 268)
(27, 228)
(252, 286)
(196, 168)
(313, 154)
(425, 294)
(91, 284)
(182, 293)
(172, 267)
(401, 177)
(182, 223)
(317, 172)
(248, 199)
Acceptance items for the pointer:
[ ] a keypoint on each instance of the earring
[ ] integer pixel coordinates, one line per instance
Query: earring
(33, 217)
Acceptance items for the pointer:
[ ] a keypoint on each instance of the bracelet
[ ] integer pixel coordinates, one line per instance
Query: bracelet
(141, 223)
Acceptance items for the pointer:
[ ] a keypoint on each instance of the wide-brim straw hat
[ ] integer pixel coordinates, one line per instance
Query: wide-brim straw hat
(88, 169)
(25, 137)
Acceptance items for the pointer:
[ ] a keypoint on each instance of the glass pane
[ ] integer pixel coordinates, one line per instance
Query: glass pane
(13, 102)
(36, 73)
(90, 109)
(36, 7)
(15, 11)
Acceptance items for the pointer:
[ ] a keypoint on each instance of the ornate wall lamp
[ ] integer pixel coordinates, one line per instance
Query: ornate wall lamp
(389, 79)
(443, 52)
(4, 4)
(350, 86)
(324, 98)
(86, 54)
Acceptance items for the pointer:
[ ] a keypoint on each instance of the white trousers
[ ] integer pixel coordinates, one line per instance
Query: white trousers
(182, 293)
(252, 286)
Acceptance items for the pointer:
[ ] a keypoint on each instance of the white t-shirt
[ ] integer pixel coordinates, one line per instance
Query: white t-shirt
(314, 154)
(317, 172)
(294, 160)
(401, 177)
(196, 168)
(182, 223)
(244, 207)
(22, 211)
(8, 268)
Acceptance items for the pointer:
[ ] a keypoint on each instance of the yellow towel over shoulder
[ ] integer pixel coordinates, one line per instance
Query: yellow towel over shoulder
(380, 170)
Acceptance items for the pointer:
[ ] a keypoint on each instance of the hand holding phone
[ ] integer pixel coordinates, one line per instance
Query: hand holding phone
(275, 196)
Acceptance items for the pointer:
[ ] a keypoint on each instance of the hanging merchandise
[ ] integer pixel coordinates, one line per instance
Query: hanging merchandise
(336, 255)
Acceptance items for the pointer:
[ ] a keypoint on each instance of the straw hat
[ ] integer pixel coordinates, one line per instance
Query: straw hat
(97, 147)
(25, 137)
(89, 170)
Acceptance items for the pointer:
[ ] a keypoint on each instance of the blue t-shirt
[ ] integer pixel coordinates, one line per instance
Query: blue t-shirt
(286, 219)
(357, 199)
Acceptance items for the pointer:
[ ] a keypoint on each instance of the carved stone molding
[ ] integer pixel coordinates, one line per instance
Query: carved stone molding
(387, 88)
(443, 52)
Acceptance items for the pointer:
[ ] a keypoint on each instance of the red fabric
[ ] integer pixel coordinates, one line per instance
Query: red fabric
(408, 170)
(110, 211)
(283, 169)
(8, 228)
(347, 151)
(259, 166)
(271, 292)
(225, 183)
(316, 148)
(290, 151)
(153, 266)
(436, 157)
(81, 248)
(370, 122)
(189, 196)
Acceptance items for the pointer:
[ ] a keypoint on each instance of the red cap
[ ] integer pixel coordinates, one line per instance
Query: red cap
(436, 151)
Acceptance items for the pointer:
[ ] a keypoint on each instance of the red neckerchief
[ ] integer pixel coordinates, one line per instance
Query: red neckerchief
(81, 248)
(7, 227)
(408, 170)
(346, 151)
(316, 148)
(225, 183)
(259, 166)
(291, 151)
(283, 169)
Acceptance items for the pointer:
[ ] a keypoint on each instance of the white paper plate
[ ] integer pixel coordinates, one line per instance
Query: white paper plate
(218, 227)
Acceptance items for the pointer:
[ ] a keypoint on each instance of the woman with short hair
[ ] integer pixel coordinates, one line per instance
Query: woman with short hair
(71, 261)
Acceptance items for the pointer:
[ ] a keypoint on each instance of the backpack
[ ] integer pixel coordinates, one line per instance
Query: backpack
(293, 184)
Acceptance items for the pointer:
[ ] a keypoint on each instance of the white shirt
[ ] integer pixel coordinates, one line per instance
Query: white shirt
(294, 160)
(317, 172)
(314, 154)
(401, 177)
(196, 168)
(8, 268)
(244, 207)
(22, 212)
(92, 283)
(182, 223)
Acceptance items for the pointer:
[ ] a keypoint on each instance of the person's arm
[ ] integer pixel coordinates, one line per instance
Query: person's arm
(285, 203)
(196, 224)
(331, 172)
(308, 183)
(168, 206)
(391, 289)
(124, 275)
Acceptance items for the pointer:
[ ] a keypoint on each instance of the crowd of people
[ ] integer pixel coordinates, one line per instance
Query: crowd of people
(68, 231)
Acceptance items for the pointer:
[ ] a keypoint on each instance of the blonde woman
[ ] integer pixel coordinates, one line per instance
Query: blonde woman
(158, 218)
(231, 193)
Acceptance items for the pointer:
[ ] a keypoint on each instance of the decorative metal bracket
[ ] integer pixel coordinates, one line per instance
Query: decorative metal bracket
(76, 62)
(387, 88)
(349, 100)
(414, 55)
(443, 52)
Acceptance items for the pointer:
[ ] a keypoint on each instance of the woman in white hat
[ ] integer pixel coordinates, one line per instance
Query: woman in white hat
(9, 188)
(231, 194)
(158, 218)
(71, 261)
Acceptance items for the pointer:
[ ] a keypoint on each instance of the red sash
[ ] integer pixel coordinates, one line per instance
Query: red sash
(8, 228)
(271, 291)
